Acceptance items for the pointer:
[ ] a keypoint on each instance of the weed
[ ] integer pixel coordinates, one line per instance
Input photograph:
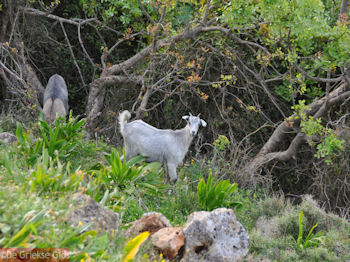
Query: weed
(311, 239)
(215, 194)
(28, 225)
(52, 177)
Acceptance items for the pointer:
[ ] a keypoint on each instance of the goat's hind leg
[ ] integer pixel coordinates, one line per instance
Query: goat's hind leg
(128, 154)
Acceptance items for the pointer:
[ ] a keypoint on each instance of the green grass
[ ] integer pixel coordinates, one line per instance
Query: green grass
(34, 199)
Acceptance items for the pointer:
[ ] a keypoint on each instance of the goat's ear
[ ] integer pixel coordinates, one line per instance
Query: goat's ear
(185, 117)
(204, 124)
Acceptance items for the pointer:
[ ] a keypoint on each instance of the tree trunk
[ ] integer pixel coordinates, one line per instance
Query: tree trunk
(270, 151)
(94, 105)
(343, 9)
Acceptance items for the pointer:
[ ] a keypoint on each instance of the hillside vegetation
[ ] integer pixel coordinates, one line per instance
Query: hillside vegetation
(40, 173)
(270, 78)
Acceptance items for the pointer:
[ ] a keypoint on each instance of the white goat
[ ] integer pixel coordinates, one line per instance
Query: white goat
(158, 145)
(55, 98)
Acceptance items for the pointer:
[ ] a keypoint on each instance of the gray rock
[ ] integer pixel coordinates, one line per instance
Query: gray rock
(85, 210)
(215, 237)
(7, 138)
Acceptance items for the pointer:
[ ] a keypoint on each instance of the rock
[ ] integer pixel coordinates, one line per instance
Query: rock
(7, 138)
(215, 236)
(251, 258)
(168, 240)
(84, 210)
(151, 222)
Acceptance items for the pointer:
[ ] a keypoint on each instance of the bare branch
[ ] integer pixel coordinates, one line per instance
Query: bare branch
(144, 102)
(106, 54)
(145, 12)
(73, 21)
(186, 34)
(162, 16)
(319, 79)
(83, 47)
(206, 12)
(239, 40)
(150, 90)
(4, 67)
(262, 83)
(73, 56)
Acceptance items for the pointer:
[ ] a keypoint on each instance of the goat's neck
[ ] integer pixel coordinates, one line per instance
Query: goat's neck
(188, 137)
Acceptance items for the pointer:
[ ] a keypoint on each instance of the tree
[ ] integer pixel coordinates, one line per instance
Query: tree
(16, 71)
(287, 72)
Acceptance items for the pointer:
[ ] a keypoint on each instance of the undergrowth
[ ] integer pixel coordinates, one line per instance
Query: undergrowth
(47, 165)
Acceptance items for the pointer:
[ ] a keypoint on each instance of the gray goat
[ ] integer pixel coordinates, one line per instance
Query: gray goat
(55, 98)
(158, 145)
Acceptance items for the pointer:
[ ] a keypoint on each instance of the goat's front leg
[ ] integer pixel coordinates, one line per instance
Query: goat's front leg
(172, 172)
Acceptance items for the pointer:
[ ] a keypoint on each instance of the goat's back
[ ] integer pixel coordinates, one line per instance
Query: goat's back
(141, 128)
(156, 144)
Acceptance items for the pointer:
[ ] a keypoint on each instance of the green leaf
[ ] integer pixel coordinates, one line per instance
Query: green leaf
(300, 235)
(19, 133)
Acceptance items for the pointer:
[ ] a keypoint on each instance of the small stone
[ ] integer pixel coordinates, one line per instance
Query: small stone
(7, 138)
(169, 241)
(151, 222)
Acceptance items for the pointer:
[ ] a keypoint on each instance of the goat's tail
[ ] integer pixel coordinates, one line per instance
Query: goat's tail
(123, 118)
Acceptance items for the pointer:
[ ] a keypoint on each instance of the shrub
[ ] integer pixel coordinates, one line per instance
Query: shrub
(122, 172)
(62, 136)
(60, 139)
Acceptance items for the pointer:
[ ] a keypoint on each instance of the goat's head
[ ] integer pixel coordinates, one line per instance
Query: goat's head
(194, 122)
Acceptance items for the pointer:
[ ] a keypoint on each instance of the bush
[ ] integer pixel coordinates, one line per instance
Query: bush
(62, 136)
(287, 236)
(59, 139)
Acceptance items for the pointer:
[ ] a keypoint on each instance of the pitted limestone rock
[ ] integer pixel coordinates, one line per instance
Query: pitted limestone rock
(215, 236)
(85, 210)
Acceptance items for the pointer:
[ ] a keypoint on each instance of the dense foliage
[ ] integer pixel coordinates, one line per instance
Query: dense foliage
(271, 78)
